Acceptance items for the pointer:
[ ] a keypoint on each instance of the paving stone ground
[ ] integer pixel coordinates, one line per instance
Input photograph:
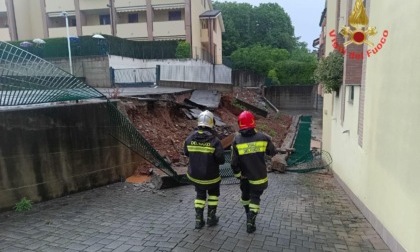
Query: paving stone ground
(299, 212)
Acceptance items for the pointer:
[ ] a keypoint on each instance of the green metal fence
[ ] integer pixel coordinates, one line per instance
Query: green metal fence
(26, 79)
(89, 46)
(303, 159)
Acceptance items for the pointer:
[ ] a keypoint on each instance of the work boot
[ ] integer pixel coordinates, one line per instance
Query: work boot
(199, 218)
(250, 222)
(212, 219)
(246, 209)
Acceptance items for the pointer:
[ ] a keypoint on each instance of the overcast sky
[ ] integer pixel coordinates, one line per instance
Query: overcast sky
(305, 16)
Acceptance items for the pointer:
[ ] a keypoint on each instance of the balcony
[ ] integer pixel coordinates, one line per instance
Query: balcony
(205, 36)
(60, 32)
(169, 29)
(59, 5)
(129, 3)
(93, 5)
(96, 29)
(167, 2)
(134, 30)
(4, 34)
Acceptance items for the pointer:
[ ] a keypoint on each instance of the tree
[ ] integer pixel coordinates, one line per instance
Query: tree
(292, 72)
(183, 50)
(280, 66)
(257, 58)
(329, 71)
(245, 25)
(261, 39)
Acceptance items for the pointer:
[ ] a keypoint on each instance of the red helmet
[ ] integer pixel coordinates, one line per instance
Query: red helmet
(246, 120)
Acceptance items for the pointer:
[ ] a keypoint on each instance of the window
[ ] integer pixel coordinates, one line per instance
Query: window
(174, 15)
(72, 22)
(351, 95)
(214, 25)
(204, 24)
(133, 18)
(104, 19)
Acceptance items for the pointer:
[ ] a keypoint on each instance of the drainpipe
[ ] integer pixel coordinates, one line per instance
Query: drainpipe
(188, 26)
(149, 11)
(45, 18)
(11, 20)
(78, 17)
(112, 16)
(212, 51)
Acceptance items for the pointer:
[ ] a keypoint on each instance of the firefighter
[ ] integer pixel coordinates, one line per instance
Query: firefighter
(206, 153)
(248, 164)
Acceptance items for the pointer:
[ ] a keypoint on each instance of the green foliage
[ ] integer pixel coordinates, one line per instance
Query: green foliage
(329, 71)
(246, 25)
(257, 58)
(272, 75)
(23, 205)
(278, 65)
(292, 72)
(261, 39)
(183, 50)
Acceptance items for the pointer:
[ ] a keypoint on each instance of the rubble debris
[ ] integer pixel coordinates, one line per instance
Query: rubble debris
(166, 124)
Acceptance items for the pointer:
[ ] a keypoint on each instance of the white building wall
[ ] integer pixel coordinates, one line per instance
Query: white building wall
(328, 98)
(382, 175)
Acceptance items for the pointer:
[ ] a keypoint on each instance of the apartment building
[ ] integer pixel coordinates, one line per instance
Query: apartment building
(146, 20)
(370, 125)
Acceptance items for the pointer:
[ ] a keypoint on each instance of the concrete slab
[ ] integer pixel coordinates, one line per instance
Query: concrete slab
(207, 98)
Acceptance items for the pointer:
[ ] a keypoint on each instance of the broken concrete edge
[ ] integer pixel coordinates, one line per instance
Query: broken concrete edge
(278, 163)
(161, 180)
(270, 104)
(287, 147)
(253, 108)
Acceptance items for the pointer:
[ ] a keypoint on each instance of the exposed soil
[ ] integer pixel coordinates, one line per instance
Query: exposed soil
(165, 125)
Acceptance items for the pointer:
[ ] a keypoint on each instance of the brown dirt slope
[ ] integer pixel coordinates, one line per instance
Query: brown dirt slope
(165, 125)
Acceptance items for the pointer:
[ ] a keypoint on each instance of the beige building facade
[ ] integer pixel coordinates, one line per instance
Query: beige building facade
(370, 126)
(145, 20)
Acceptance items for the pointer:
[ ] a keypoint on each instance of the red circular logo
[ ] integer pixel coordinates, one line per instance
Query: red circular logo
(359, 37)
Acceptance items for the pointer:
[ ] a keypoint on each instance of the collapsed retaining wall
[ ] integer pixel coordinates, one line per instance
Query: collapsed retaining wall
(198, 85)
(48, 152)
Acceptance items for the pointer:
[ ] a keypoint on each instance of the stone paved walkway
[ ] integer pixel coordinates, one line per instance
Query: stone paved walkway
(299, 212)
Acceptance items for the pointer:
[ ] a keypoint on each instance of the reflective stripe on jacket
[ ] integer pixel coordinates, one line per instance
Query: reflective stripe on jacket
(248, 156)
(206, 154)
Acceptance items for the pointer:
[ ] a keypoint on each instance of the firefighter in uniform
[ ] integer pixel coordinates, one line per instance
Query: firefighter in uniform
(248, 163)
(206, 153)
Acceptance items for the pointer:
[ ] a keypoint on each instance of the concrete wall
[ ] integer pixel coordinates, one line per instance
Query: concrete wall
(292, 97)
(247, 79)
(378, 161)
(118, 62)
(196, 85)
(95, 70)
(48, 152)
